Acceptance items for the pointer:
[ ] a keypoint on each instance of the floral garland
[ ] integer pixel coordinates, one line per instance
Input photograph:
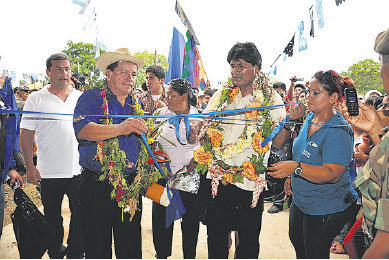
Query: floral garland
(214, 157)
(114, 162)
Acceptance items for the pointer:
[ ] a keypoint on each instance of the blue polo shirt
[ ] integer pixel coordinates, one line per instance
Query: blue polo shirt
(90, 103)
(332, 144)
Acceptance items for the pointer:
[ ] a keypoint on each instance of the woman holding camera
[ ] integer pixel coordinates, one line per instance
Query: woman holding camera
(323, 198)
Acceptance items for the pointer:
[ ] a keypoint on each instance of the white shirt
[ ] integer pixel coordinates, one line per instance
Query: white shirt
(57, 146)
(181, 155)
(233, 128)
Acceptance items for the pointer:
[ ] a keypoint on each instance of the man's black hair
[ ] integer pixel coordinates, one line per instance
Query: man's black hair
(157, 70)
(246, 51)
(280, 85)
(56, 56)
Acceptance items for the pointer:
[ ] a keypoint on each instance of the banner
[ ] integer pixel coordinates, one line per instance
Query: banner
(176, 56)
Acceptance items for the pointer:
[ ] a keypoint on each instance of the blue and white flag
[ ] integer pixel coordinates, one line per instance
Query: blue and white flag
(302, 39)
(319, 12)
(81, 3)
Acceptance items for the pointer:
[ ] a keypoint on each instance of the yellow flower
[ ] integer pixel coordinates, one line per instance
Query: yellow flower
(202, 157)
(252, 115)
(216, 136)
(257, 141)
(233, 92)
(229, 177)
(249, 171)
(150, 140)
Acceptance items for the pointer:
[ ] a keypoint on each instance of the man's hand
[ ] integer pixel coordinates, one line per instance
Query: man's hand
(14, 175)
(367, 120)
(133, 125)
(297, 112)
(33, 175)
(158, 103)
(194, 132)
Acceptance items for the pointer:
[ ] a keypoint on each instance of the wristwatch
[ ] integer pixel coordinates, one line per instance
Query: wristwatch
(298, 170)
(288, 126)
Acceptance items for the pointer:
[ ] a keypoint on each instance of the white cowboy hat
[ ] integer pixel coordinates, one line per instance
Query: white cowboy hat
(122, 54)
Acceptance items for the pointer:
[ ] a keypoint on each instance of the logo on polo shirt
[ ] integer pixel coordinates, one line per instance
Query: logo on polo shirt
(306, 153)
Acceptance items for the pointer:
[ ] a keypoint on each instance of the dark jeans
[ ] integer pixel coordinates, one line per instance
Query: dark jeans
(312, 235)
(101, 215)
(162, 237)
(230, 210)
(52, 193)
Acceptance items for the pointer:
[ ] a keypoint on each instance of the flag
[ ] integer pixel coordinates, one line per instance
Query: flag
(83, 3)
(185, 21)
(289, 48)
(319, 12)
(302, 39)
(339, 2)
(176, 56)
(312, 31)
(193, 70)
(11, 126)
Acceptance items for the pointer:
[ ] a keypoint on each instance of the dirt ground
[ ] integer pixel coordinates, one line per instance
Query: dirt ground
(274, 238)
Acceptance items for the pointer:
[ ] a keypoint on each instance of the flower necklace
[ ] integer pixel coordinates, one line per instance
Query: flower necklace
(215, 157)
(114, 162)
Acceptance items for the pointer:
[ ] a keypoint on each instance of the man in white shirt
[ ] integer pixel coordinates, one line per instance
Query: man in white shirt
(237, 205)
(57, 170)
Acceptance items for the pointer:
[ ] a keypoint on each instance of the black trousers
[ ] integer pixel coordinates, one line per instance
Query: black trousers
(100, 216)
(52, 194)
(312, 235)
(162, 237)
(230, 210)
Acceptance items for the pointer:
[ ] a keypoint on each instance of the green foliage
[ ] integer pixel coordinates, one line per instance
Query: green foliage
(150, 60)
(366, 75)
(82, 56)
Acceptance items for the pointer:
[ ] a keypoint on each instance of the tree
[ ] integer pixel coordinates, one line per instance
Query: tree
(366, 75)
(150, 60)
(82, 56)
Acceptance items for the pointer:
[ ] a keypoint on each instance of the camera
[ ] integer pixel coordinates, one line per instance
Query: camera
(297, 79)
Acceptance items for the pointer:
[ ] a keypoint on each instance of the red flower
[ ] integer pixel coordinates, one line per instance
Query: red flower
(102, 93)
(104, 107)
(111, 163)
(119, 193)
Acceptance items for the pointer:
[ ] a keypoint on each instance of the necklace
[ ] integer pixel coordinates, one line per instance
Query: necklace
(114, 162)
(215, 157)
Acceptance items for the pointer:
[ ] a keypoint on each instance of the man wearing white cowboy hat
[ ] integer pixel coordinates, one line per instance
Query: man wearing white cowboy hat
(100, 214)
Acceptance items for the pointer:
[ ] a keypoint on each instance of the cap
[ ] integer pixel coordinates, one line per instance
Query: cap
(382, 43)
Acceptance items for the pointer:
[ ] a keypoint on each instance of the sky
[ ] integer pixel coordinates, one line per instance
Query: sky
(32, 30)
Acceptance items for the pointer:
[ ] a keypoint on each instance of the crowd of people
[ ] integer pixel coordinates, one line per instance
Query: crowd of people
(330, 168)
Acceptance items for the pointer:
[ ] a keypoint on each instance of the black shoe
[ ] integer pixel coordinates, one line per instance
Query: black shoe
(275, 209)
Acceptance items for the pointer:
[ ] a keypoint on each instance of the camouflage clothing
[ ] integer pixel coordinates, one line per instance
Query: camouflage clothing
(373, 182)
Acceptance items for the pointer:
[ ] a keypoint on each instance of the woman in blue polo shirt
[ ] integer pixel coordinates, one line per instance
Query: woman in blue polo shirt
(323, 198)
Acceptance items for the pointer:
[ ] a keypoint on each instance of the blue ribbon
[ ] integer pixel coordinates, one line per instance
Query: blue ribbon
(275, 132)
(175, 120)
(176, 208)
(156, 162)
